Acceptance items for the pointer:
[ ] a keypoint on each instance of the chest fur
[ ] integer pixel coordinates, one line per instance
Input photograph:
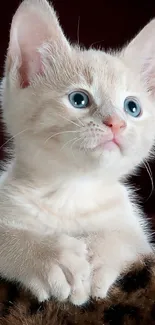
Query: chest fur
(72, 211)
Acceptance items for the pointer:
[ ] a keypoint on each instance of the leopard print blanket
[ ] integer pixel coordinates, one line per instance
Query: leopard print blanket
(131, 301)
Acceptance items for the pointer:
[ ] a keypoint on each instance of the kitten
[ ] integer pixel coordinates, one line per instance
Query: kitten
(82, 120)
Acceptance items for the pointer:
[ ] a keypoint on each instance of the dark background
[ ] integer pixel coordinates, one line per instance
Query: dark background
(102, 22)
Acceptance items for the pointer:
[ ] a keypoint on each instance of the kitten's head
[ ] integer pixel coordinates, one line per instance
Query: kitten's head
(86, 107)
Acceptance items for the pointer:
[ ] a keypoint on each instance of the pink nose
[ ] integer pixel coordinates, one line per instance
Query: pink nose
(115, 123)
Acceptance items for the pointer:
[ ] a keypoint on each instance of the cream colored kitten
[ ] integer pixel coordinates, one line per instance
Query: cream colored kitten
(81, 121)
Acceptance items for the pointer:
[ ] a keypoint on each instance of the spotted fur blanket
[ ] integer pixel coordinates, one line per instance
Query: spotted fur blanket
(131, 301)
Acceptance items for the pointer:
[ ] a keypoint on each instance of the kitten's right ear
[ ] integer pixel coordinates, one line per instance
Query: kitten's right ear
(34, 24)
(140, 55)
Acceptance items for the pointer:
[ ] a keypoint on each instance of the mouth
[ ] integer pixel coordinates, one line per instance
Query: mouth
(110, 145)
(105, 143)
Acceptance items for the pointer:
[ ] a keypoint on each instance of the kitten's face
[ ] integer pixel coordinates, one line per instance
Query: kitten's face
(86, 105)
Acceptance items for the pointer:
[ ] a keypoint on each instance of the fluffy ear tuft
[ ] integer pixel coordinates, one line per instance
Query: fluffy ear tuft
(140, 55)
(34, 24)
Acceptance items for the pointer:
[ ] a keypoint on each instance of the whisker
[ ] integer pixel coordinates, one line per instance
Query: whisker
(148, 169)
(73, 145)
(65, 118)
(97, 42)
(78, 31)
(82, 124)
(67, 143)
(80, 148)
(83, 143)
(54, 135)
(13, 137)
(77, 139)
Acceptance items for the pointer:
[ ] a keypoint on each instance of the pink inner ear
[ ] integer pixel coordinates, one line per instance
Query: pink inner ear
(24, 82)
(30, 66)
(31, 36)
(29, 31)
(34, 24)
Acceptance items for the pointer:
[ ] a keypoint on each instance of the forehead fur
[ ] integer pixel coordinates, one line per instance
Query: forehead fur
(85, 68)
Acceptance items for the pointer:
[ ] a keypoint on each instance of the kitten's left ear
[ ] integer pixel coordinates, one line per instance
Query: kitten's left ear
(34, 24)
(140, 55)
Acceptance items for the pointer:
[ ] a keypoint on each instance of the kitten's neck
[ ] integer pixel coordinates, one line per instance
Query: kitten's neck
(55, 174)
(75, 193)
(35, 164)
(63, 187)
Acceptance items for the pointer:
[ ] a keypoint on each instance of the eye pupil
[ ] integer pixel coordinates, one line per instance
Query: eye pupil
(132, 107)
(79, 99)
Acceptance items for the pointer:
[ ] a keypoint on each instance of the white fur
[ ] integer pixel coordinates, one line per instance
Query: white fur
(68, 225)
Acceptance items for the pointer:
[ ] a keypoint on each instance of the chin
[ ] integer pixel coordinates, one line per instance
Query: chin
(108, 150)
(108, 160)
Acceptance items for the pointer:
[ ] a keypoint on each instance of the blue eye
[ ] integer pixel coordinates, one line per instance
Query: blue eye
(79, 99)
(132, 106)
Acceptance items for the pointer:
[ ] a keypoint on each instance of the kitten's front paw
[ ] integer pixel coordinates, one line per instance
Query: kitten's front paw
(66, 275)
(109, 257)
(103, 279)
(76, 269)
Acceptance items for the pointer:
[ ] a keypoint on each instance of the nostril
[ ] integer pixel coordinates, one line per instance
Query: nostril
(114, 122)
(108, 122)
